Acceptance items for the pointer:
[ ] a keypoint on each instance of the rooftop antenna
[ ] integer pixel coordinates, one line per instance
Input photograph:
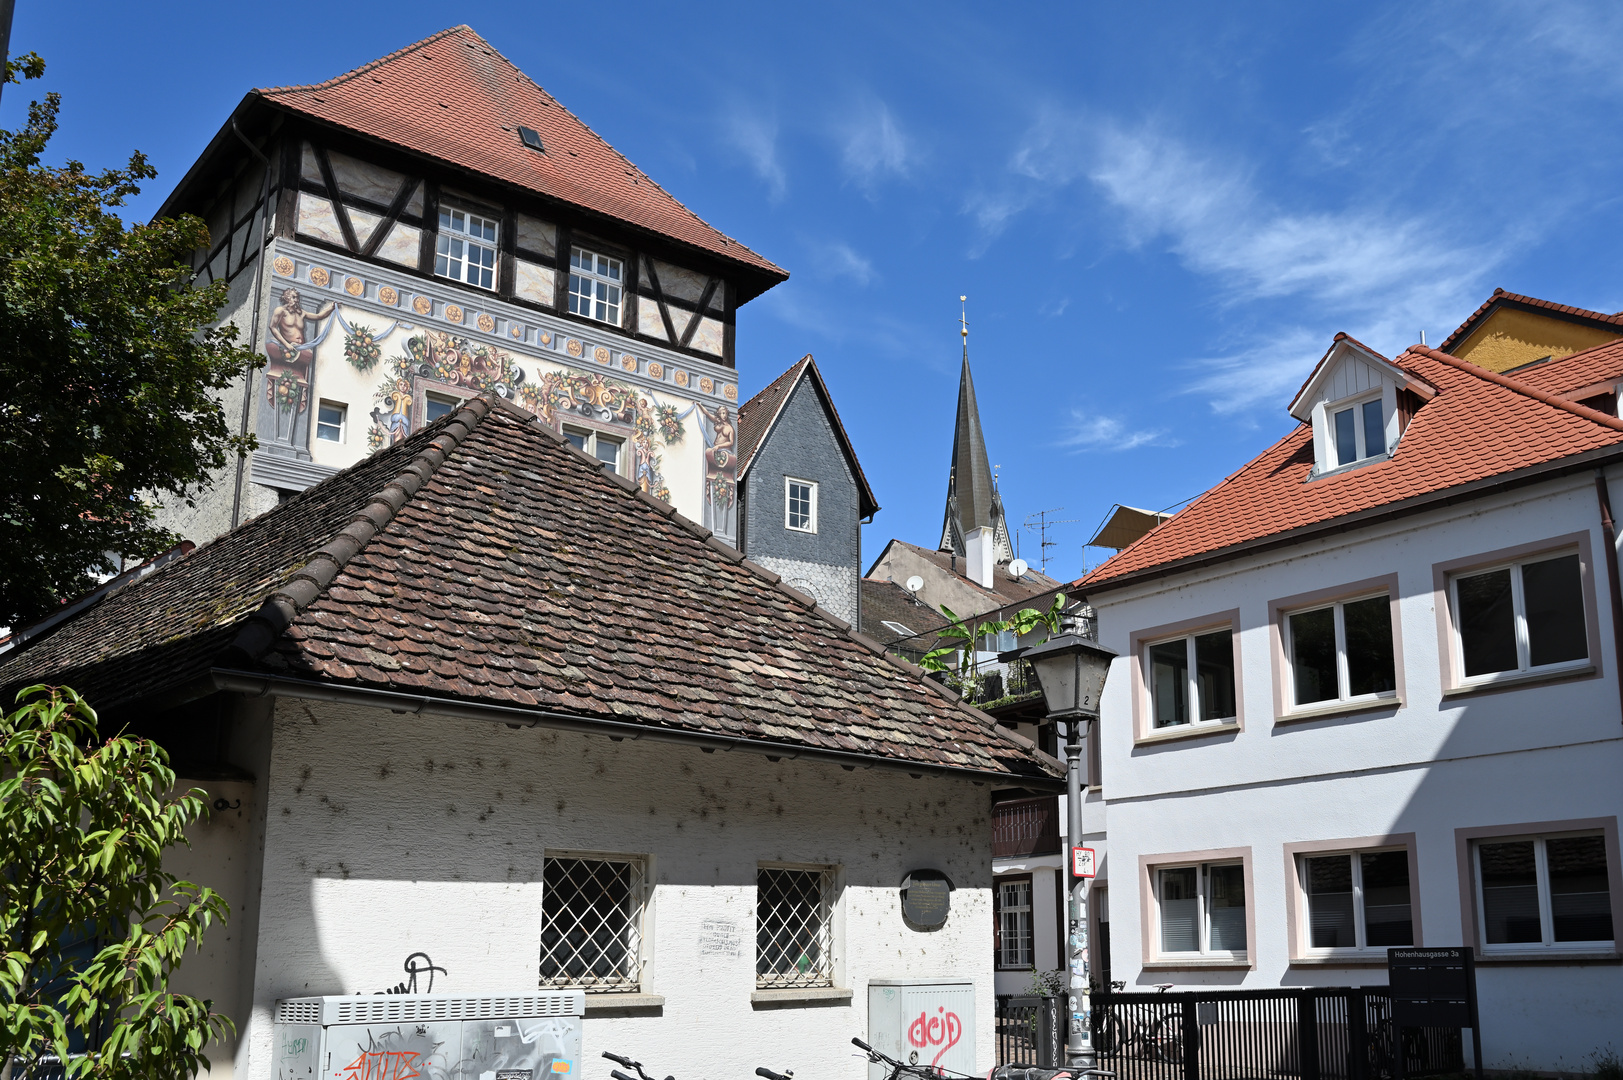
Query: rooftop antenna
(1042, 524)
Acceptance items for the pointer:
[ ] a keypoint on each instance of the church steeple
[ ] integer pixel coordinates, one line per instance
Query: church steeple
(973, 527)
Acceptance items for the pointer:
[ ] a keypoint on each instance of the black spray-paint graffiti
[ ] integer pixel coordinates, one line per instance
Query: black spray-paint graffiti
(416, 964)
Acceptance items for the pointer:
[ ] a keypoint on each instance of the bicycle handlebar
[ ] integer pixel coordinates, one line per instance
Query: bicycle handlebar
(860, 1045)
(627, 1062)
(618, 1075)
(770, 1075)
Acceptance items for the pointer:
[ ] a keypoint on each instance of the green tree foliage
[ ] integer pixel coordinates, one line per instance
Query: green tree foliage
(109, 369)
(91, 923)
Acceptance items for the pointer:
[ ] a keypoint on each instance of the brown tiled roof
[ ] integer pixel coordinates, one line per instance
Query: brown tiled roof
(886, 600)
(484, 560)
(1479, 426)
(757, 416)
(1501, 297)
(454, 98)
(1004, 590)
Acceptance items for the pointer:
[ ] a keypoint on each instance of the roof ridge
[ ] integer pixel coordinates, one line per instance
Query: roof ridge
(1464, 328)
(1516, 385)
(370, 64)
(261, 629)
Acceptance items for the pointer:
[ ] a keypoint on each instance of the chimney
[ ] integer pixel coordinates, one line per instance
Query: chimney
(981, 558)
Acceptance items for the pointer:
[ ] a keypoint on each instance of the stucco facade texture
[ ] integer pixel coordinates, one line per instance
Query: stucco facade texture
(1428, 768)
(385, 835)
(803, 445)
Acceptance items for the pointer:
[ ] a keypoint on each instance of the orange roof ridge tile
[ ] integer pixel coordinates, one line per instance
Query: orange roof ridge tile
(1519, 387)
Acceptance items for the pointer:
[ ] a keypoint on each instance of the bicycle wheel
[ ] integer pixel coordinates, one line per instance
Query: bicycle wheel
(1166, 1040)
(1110, 1033)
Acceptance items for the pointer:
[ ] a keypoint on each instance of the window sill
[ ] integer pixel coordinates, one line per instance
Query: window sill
(1351, 465)
(1184, 731)
(1347, 961)
(1552, 956)
(1506, 682)
(801, 995)
(1339, 708)
(1167, 964)
(601, 1004)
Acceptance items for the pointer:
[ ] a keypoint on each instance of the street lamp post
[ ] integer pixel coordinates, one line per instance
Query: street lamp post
(1071, 671)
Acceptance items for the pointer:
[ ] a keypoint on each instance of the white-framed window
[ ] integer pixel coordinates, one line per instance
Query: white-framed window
(1520, 617)
(591, 922)
(799, 504)
(438, 405)
(1202, 909)
(1341, 652)
(1357, 899)
(605, 448)
(794, 926)
(465, 249)
(1357, 429)
(1544, 892)
(1191, 679)
(594, 285)
(331, 418)
(1014, 925)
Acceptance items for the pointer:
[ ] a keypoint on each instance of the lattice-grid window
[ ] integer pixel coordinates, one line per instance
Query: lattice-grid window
(591, 923)
(1014, 927)
(465, 249)
(794, 927)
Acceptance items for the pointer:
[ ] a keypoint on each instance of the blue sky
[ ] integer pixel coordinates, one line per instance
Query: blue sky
(1160, 213)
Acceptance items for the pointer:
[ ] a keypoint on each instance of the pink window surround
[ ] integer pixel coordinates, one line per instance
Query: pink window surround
(1142, 731)
(1149, 911)
(1470, 918)
(1449, 674)
(1284, 711)
(1296, 920)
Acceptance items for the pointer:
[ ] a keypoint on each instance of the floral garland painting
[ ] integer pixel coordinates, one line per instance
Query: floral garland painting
(443, 358)
(591, 395)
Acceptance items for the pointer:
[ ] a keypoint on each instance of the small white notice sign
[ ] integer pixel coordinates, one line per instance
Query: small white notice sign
(720, 937)
(1082, 864)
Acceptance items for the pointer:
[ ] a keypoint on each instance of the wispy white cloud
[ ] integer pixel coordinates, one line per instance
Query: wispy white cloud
(755, 136)
(875, 147)
(838, 259)
(1095, 431)
(1055, 308)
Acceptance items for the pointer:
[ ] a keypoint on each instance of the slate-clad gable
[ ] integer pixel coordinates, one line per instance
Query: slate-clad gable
(485, 560)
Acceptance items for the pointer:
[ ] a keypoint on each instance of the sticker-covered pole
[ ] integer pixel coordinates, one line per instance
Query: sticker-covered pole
(1079, 1040)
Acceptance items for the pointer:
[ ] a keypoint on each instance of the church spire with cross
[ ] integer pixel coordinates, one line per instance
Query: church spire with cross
(973, 527)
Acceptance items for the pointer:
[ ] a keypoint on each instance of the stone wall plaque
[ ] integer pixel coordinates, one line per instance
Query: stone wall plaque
(926, 899)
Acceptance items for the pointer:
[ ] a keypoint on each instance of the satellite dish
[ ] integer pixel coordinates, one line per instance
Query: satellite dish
(915, 583)
(1018, 568)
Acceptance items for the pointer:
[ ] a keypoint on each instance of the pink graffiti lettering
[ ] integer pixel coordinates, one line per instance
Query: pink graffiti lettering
(383, 1065)
(943, 1030)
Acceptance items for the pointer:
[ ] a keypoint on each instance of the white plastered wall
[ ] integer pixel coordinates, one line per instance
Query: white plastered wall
(1544, 752)
(391, 834)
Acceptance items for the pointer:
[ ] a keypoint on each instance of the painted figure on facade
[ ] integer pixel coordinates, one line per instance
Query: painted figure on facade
(287, 377)
(440, 359)
(720, 470)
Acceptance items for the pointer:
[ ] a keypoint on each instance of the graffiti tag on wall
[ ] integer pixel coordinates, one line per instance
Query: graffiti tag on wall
(931, 1032)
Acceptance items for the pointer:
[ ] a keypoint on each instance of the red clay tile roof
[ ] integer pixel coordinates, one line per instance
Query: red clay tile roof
(1500, 296)
(1480, 425)
(757, 415)
(1576, 371)
(453, 97)
(484, 560)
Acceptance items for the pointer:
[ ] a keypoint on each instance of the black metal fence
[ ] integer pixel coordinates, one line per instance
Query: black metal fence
(1334, 1033)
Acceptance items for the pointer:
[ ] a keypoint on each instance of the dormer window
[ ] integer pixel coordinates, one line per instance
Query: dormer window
(1360, 430)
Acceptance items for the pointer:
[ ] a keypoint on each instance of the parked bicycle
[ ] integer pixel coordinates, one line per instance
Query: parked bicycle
(628, 1063)
(1383, 1038)
(1153, 1031)
(1032, 1072)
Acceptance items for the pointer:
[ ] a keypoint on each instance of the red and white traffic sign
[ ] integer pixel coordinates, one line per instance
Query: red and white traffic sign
(1082, 863)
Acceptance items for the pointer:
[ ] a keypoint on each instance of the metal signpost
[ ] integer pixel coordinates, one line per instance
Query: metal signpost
(1432, 988)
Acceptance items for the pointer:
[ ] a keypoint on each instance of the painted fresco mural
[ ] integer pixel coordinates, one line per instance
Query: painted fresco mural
(383, 371)
(292, 335)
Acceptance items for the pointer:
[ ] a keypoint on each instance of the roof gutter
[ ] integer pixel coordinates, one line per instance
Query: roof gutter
(1491, 485)
(253, 684)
